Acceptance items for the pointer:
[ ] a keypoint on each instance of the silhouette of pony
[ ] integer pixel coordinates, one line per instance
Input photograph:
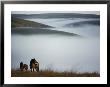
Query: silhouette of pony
(34, 65)
(23, 66)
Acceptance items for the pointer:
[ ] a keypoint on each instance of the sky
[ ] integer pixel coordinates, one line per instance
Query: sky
(40, 12)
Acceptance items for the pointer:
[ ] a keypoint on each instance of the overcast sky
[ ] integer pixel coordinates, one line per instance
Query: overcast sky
(39, 12)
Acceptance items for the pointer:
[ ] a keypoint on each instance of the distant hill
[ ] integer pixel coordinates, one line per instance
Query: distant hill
(81, 23)
(25, 27)
(56, 15)
(17, 22)
(29, 31)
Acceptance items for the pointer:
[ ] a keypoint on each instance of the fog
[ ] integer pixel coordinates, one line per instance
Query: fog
(59, 52)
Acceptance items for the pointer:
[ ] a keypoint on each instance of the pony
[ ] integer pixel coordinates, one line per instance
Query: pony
(23, 66)
(34, 65)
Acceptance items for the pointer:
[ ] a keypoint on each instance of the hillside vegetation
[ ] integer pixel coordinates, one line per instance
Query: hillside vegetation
(17, 22)
(51, 73)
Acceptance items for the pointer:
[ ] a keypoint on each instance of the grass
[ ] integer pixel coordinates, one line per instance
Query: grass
(51, 73)
(16, 22)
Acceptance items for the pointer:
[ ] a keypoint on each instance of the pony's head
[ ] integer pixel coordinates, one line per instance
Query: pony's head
(35, 61)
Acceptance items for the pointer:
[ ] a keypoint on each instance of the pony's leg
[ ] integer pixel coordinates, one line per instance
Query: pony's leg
(38, 69)
(22, 69)
(33, 69)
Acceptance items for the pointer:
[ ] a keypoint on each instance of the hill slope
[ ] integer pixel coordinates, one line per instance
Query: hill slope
(81, 23)
(30, 31)
(16, 22)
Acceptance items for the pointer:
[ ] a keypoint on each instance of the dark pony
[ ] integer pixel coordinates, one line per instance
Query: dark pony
(34, 65)
(23, 66)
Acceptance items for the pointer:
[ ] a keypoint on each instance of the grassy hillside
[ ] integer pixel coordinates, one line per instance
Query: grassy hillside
(29, 31)
(51, 73)
(20, 26)
(16, 22)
